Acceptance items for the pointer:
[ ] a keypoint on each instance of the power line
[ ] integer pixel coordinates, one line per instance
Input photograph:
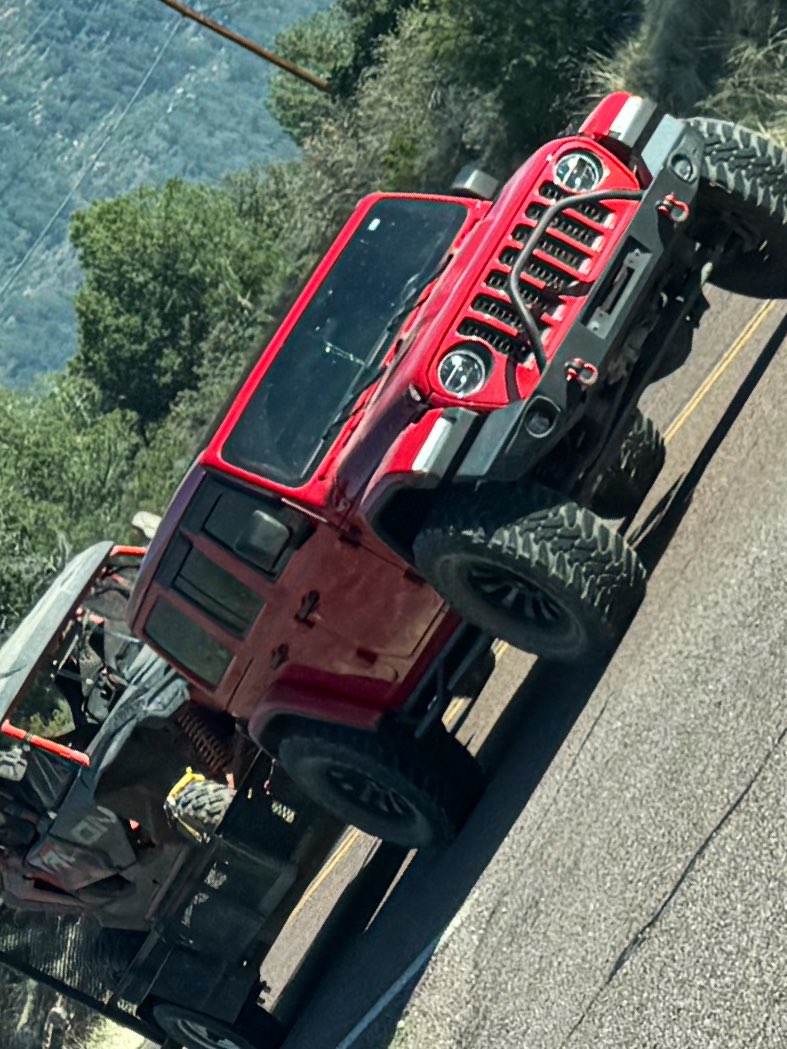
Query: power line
(41, 23)
(249, 45)
(88, 166)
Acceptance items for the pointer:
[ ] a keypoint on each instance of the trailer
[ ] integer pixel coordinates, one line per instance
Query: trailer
(195, 976)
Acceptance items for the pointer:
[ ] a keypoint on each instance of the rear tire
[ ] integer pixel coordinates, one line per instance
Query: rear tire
(411, 793)
(254, 1029)
(625, 483)
(743, 185)
(530, 567)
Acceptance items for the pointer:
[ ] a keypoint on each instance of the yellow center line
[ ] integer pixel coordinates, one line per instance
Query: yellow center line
(716, 373)
(353, 836)
(452, 710)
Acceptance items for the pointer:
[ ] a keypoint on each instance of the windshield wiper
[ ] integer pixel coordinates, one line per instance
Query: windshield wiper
(411, 301)
(347, 405)
(408, 304)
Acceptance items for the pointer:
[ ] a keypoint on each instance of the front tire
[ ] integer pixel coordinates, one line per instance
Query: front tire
(411, 793)
(626, 481)
(743, 185)
(254, 1029)
(528, 566)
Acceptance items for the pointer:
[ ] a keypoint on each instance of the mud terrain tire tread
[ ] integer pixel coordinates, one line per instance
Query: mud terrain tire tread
(438, 777)
(563, 547)
(627, 480)
(746, 173)
(203, 805)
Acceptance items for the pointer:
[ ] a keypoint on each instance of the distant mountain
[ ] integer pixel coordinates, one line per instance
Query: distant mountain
(97, 98)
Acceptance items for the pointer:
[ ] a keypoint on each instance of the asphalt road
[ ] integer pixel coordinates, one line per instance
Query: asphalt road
(623, 881)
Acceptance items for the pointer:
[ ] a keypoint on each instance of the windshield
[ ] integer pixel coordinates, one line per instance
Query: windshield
(341, 337)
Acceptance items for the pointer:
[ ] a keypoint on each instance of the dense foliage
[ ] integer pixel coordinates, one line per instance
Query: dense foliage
(163, 269)
(726, 58)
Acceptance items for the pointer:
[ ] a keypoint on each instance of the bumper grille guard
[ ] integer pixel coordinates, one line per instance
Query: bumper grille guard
(514, 286)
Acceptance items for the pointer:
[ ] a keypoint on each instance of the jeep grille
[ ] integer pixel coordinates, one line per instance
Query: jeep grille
(557, 270)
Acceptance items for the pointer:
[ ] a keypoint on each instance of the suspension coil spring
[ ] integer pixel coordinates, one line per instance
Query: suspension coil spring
(199, 725)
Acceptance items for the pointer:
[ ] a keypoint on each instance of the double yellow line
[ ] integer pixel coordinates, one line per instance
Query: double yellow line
(716, 373)
(456, 705)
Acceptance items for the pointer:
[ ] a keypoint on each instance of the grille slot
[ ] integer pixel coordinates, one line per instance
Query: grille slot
(510, 345)
(559, 250)
(571, 227)
(595, 212)
(533, 296)
(504, 312)
(554, 278)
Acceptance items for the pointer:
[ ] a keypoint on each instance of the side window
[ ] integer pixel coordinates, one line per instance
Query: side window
(221, 595)
(262, 533)
(187, 643)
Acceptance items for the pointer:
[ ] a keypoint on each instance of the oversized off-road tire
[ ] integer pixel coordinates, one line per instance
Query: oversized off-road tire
(626, 482)
(254, 1029)
(743, 184)
(533, 568)
(201, 806)
(412, 793)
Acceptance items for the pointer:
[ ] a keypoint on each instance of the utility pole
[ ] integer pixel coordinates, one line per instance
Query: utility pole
(242, 41)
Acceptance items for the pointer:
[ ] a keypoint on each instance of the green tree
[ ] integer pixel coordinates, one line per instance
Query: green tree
(529, 56)
(322, 44)
(63, 475)
(162, 268)
(340, 45)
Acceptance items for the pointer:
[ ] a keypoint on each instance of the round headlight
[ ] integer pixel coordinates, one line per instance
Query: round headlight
(463, 371)
(579, 172)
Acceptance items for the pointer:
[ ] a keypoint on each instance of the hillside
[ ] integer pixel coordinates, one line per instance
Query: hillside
(95, 99)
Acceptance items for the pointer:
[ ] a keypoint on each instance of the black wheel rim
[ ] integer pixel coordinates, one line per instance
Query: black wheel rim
(511, 595)
(369, 796)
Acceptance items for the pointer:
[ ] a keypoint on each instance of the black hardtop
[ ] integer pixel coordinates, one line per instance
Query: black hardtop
(27, 648)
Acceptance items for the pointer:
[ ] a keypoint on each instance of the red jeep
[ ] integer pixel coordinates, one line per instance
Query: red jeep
(425, 454)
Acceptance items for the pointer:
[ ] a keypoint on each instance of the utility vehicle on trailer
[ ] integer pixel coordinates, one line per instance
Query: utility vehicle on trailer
(96, 729)
(429, 450)
(148, 895)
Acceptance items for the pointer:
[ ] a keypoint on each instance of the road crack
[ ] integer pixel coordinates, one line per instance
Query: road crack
(642, 933)
(637, 939)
